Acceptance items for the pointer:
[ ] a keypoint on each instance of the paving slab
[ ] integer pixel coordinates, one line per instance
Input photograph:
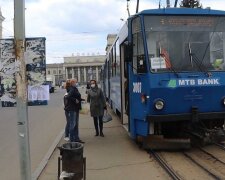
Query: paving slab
(114, 156)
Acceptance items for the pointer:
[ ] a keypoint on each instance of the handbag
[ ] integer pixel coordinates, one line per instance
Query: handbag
(106, 117)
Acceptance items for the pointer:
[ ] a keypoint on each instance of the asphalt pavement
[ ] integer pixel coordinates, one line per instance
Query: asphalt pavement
(46, 123)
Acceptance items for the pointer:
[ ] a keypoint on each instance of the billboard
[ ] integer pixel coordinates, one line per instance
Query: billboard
(35, 58)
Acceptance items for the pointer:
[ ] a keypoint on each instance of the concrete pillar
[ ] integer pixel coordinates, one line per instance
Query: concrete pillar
(21, 83)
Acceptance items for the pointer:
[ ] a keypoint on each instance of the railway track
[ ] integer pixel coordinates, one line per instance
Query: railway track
(221, 146)
(211, 155)
(201, 166)
(208, 162)
(201, 163)
(165, 165)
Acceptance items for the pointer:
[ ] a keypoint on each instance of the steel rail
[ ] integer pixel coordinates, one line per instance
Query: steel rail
(202, 167)
(165, 166)
(219, 145)
(211, 155)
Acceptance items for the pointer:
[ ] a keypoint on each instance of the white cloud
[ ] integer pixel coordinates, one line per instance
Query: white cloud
(77, 26)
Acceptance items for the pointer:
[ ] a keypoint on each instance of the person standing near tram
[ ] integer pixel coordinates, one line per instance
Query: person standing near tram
(65, 100)
(97, 105)
(73, 108)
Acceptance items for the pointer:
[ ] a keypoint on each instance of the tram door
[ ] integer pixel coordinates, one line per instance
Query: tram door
(124, 87)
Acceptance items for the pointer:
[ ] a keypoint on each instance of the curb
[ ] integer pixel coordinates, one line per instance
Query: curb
(47, 156)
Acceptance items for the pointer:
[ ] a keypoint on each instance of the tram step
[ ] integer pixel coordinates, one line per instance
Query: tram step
(157, 142)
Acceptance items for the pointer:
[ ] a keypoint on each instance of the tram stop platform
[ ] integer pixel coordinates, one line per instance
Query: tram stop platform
(115, 156)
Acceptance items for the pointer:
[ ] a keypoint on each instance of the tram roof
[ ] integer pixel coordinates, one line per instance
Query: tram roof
(182, 11)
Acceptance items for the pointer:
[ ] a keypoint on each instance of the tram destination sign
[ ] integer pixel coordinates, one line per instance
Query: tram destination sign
(184, 23)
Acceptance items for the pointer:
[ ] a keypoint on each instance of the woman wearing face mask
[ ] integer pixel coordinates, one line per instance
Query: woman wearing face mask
(97, 105)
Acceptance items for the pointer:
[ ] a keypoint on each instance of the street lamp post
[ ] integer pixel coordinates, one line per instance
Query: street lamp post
(21, 80)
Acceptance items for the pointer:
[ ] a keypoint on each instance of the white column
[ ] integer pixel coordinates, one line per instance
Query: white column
(96, 69)
(66, 73)
(85, 74)
(72, 72)
(78, 74)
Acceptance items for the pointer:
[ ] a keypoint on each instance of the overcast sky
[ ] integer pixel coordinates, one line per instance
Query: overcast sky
(77, 26)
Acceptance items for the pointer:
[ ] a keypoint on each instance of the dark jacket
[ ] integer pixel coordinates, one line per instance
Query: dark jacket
(72, 100)
(97, 101)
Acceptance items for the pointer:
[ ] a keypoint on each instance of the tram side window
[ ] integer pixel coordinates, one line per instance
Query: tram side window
(114, 60)
(117, 55)
(139, 64)
(110, 66)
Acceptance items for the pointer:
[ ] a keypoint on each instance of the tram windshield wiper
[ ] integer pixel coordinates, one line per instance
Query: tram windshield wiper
(168, 62)
(193, 58)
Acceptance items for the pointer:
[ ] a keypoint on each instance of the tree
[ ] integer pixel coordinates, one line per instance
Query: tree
(191, 4)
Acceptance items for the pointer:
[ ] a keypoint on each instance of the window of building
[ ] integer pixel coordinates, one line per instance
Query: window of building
(76, 73)
(100, 75)
(49, 72)
(54, 71)
(94, 72)
(69, 72)
(89, 73)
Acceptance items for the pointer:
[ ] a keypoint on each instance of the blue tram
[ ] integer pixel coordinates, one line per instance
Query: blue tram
(165, 74)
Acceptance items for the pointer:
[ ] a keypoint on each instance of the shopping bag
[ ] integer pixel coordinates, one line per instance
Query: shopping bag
(106, 117)
(85, 108)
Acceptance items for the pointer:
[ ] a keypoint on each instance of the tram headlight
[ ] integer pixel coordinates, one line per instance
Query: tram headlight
(159, 104)
(223, 101)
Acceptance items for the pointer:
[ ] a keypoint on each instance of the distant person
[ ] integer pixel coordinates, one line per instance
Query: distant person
(88, 87)
(74, 101)
(66, 106)
(97, 106)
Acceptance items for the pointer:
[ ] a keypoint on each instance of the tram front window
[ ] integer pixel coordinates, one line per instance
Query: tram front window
(185, 44)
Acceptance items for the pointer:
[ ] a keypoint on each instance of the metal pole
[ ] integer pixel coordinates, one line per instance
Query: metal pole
(137, 7)
(22, 110)
(175, 4)
(168, 3)
(128, 8)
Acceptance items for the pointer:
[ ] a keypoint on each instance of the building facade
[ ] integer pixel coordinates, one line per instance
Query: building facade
(83, 68)
(56, 70)
(110, 40)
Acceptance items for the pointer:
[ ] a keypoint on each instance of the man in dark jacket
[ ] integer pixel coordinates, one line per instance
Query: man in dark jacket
(73, 106)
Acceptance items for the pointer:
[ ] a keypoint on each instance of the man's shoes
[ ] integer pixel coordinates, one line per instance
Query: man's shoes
(102, 135)
(96, 134)
(80, 141)
(66, 138)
